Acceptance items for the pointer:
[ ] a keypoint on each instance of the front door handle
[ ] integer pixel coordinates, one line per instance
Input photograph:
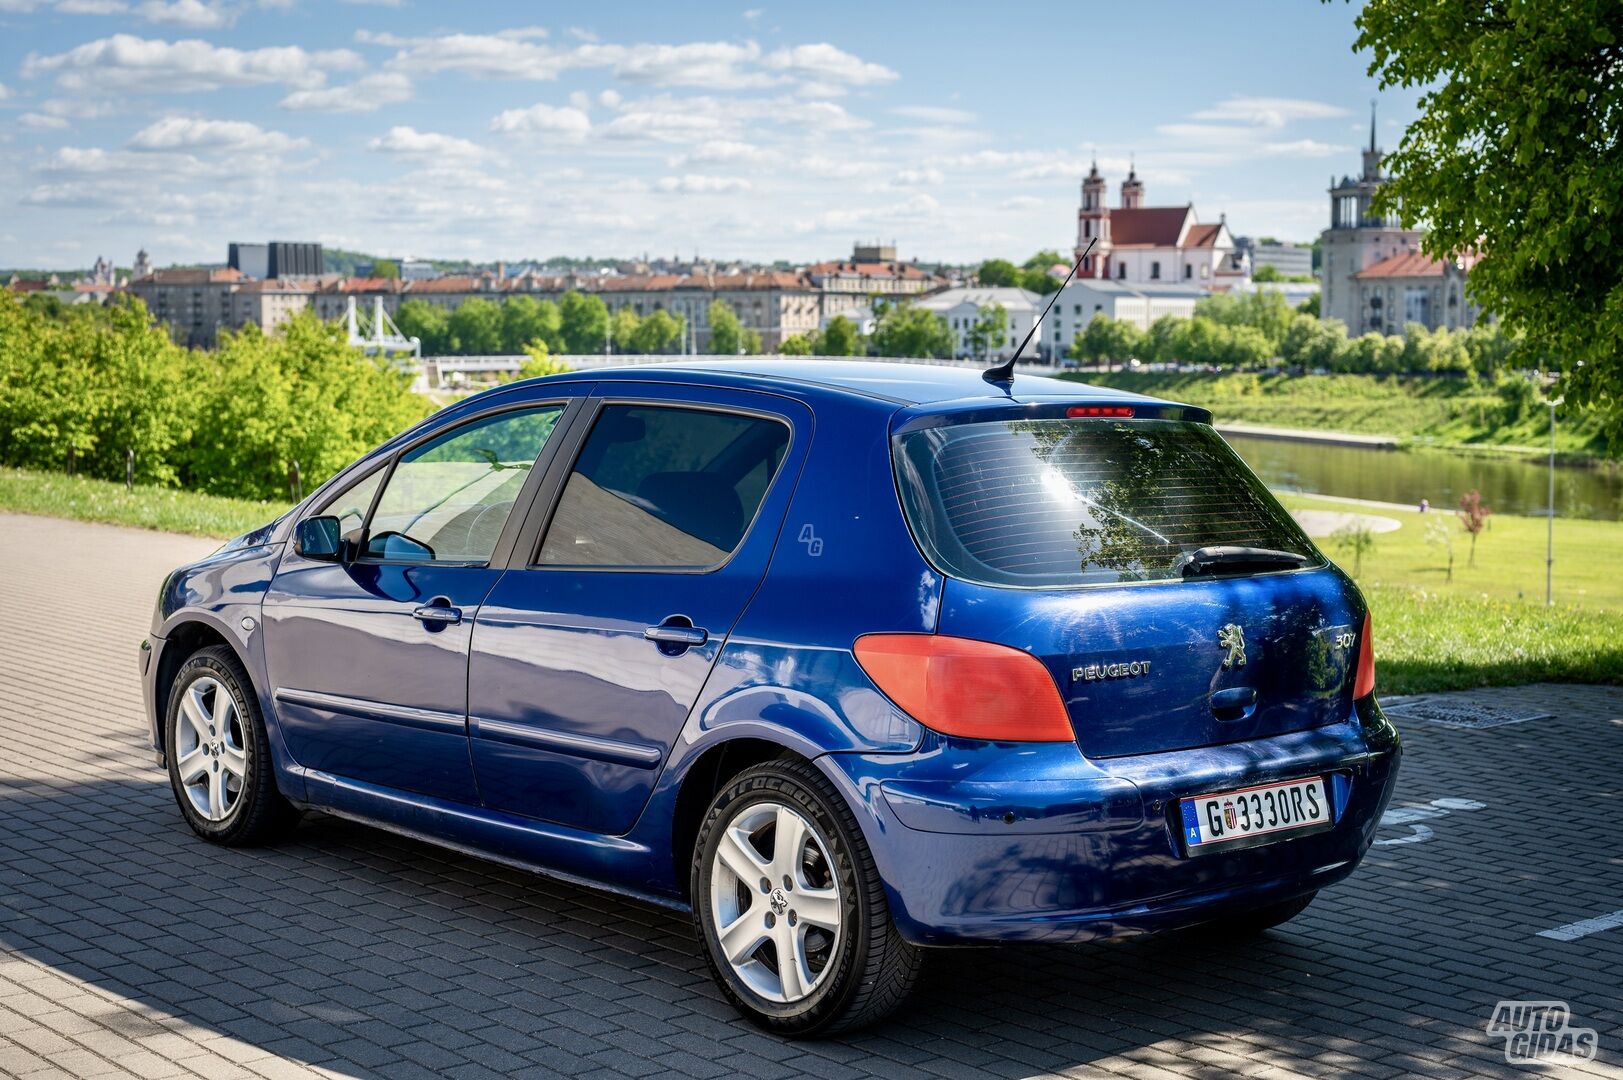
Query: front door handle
(670, 634)
(438, 610)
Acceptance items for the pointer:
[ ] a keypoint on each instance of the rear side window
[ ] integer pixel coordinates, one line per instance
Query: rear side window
(1078, 502)
(657, 486)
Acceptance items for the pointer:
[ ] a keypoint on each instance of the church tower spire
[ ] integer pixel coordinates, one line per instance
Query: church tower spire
(1093, 223)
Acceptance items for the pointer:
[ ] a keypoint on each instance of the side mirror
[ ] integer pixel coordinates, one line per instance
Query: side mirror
(317, 538)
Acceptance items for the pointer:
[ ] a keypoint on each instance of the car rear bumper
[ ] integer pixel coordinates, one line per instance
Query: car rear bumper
(1033, 842)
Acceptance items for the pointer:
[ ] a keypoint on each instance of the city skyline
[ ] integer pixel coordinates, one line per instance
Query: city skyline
(760, 134)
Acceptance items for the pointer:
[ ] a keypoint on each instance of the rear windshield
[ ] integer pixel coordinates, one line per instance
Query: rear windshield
(1080, 502)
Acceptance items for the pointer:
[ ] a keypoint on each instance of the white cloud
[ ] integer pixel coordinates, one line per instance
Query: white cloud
(566, 121)
(92, 7)
(1020, 202)
(702, 184)
(716, 65)
(196, 133)
(4, 93)
(40, 122)
(193, 14)
(129, 63)
(409, 142)
(1304, 148)
(1270, 112)
(662, 127)
(916, 177)
(827, 64)
(723, 152)
(366, 94)
(505, 55)
(935, 114)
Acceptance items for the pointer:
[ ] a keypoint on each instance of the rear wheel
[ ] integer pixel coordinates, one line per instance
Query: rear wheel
(219, 755)
(790, 909)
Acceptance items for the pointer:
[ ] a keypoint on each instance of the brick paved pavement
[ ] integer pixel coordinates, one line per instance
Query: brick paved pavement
(128, 947)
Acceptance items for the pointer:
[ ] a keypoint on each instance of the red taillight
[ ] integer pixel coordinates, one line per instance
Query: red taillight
(971, 689)
(1099, 410)
(1364, 682)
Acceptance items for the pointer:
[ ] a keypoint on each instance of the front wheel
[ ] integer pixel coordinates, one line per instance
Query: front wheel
(219, 755)
(790, 908)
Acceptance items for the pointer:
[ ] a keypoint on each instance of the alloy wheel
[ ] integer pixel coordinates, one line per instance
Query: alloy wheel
(775, 902)
(211, 758)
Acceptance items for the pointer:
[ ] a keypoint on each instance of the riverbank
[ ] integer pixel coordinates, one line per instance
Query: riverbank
(1442, 413)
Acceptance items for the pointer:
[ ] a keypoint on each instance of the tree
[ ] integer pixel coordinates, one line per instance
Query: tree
(726, 332)
(1313, 343)
(796, 345)
(1105, 339)
(905, 330)
(1515, 156)
(538, 362)
(1356, 538)
(426, 322)
(1045, 259)
(623, 326)
(583, 322)
(527, 319)
(387, 269)
(476, 328)
(659, 332)
(990, 328)
(995, 272)
(1439, 535)
(1473, 519)
(1267, 274)
(839, 338)
(1310, 306)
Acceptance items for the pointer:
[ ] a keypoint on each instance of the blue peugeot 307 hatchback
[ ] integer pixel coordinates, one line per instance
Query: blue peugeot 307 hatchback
(848, 658)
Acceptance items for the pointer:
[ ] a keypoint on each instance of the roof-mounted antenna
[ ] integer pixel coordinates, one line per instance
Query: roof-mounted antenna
(1005, 372)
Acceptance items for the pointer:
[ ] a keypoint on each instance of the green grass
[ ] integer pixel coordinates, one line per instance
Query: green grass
(1488, 626)
(25, 491)
(1428, 641)
(1417, 411)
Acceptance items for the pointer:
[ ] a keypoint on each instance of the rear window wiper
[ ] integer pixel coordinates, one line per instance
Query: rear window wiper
(1223, 558)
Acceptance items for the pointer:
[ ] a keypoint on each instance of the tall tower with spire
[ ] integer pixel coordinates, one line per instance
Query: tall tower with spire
(1093, 221)
(1359, 237)
(1132, 190)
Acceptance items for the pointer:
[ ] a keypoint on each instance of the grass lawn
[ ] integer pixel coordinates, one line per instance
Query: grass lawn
(25, 491)
(1489, 626)
(1420, 412)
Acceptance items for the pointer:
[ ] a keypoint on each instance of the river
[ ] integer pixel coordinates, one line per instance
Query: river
(1509, 485)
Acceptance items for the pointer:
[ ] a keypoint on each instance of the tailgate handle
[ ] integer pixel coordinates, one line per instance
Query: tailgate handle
(1234, 703)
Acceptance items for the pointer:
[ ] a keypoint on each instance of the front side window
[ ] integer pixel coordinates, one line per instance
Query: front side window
(350, 505)
(447, 500)
(1079, 502)
(658, 486)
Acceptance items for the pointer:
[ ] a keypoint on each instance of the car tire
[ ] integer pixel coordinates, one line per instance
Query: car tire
(1251, 923)
(856, 971)
(218, 753)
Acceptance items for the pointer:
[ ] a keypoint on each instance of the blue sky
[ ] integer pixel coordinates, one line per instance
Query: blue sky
(503, 130)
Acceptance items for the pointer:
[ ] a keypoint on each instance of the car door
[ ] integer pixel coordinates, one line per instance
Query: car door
(586, 662)
(367, 655)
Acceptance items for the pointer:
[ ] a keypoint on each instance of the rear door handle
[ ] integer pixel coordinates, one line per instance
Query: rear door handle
(438, 610)
(685, 636)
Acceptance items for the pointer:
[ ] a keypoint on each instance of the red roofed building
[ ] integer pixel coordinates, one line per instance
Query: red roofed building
(1412, 287)
(1142, 245)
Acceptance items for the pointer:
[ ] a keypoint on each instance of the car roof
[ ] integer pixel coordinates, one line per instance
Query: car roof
(908, 384)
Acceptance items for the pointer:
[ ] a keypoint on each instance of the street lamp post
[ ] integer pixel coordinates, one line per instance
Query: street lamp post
(1549, 534)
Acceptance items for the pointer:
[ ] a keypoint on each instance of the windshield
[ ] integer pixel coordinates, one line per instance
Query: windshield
(1079, 502)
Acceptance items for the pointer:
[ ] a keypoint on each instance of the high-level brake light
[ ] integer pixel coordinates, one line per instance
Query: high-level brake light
(1099, 410)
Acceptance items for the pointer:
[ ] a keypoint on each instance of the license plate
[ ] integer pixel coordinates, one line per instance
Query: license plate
(1255, 815)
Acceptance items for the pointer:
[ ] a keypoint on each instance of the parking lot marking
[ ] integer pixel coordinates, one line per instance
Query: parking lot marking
(1575, 930)
(1409, 815)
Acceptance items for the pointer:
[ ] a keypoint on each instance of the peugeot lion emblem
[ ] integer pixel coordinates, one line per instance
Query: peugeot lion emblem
(1232, 638)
